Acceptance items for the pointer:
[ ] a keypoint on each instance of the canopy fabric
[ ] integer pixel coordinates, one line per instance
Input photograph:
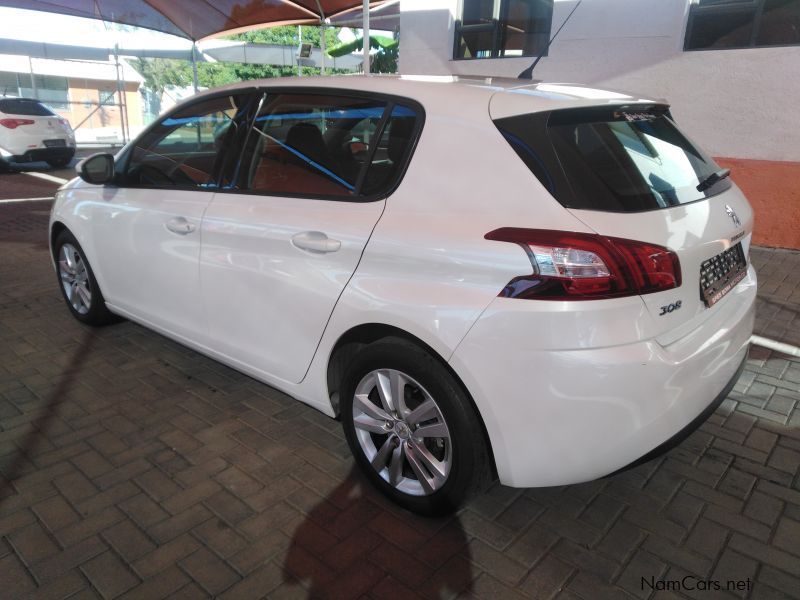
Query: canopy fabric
(198, 19)
(218, 50)
(385, 16)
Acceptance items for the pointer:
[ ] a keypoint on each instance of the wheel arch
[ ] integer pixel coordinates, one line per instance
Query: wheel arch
(55, 230)
(354, 339)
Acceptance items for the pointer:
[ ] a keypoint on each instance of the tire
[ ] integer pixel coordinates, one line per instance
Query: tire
(77, 282)
(61, 161)
(429, 474)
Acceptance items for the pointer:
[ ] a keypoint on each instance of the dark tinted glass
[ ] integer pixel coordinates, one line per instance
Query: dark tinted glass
(721, 29)
(183, 149)
(24, 106)
(742, 24)
(612, 160)
(780, 23)
(497, 28)
(311, 145)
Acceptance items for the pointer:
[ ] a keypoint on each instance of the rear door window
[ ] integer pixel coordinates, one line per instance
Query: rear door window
(327, 146)
(620, 159)
(24, 106)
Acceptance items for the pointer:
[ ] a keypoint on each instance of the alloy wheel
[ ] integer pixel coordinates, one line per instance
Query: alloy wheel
(402, 432)
(75, 278)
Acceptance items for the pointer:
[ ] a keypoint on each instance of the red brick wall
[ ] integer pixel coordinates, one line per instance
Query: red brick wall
(773, 189)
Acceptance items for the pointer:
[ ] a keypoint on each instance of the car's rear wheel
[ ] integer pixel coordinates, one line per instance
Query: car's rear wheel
(61, 161)
(412, 428)
(77, 282)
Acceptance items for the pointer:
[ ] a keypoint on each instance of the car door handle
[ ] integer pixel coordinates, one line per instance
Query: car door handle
(180, 226)
(315, 241)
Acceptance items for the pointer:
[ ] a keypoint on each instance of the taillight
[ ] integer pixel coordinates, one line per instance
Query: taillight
(584, 266)
(14, 123)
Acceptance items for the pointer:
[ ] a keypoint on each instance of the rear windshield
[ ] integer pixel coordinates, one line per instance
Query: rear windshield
(617, 159)
(23, 106)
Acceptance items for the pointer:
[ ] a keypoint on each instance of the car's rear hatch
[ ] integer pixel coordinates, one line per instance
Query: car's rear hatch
(626, 171)
(35, 122)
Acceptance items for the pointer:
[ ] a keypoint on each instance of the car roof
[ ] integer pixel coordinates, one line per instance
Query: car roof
(508, 96)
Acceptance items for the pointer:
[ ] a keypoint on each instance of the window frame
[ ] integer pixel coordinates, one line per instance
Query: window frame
(390, 99)
(733, 7)
(498, 34)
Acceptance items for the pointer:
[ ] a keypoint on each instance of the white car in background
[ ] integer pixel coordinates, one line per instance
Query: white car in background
(30, 132)
(482, 278)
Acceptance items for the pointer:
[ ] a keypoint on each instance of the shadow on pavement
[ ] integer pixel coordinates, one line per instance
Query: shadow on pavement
(354, 542)
(14, 465)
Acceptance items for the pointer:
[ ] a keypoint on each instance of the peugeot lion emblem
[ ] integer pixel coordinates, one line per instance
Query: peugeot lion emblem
(732, 214)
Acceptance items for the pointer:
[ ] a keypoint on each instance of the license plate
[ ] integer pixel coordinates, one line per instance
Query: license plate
(718, 275)
(55, 143)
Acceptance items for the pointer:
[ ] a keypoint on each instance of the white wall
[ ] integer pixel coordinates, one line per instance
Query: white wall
(735, 103)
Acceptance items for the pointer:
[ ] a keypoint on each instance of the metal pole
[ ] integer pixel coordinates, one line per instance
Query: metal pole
(299, 46)
(322, 46)
(33, 79)
(194, 66)
(120, 92)
(365, 28)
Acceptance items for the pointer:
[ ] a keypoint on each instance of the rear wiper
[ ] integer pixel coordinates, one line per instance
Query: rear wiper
(712, 179)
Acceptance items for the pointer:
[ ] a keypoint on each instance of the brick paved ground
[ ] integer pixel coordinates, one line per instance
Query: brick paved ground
(134, 467)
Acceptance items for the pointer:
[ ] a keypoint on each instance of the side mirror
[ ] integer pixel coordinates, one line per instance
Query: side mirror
(97, 168)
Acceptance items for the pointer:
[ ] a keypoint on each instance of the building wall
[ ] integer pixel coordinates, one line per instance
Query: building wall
(734, 103)
(104, 124)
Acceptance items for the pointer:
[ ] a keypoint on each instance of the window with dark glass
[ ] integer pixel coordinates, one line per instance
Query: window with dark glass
(326, 146)
(719, 24)
(184, 149)
(502, 28)
(24, 106)
(613, 159)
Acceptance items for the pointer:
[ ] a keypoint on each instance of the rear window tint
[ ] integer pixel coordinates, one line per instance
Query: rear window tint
(23, 106)
(617, 159)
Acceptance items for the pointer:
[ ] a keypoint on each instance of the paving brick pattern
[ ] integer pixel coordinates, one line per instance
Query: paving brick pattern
(132, 467)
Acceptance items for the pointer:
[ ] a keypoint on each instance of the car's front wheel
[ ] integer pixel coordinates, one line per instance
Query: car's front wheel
(412, 428)
(77, 282)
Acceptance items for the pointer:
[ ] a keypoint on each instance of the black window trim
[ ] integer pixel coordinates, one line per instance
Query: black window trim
(257, 94)
(743, 7)
(498, 37)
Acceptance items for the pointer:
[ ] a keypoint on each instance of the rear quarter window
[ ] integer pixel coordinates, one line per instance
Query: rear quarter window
(23, 106)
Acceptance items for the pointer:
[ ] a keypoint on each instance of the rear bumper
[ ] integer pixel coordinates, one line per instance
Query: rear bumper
(567, 415)
(41, 154)
(681, 435)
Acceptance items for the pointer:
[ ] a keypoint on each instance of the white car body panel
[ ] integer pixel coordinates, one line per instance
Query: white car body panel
(267, 300)
(577, 408)
(144, 268)
(568, 391)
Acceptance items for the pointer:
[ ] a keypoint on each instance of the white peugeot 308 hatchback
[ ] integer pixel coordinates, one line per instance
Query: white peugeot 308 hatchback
(540, 283)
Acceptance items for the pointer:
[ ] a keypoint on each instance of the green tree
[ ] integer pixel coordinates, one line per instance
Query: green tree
(158, 73)
(383, 61)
